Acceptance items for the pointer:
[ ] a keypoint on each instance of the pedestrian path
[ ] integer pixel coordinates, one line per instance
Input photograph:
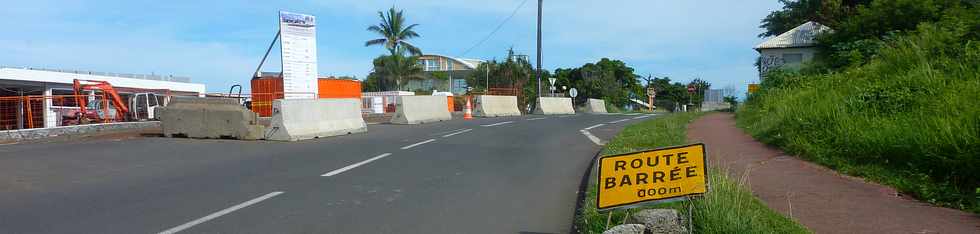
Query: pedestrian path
(817, 197)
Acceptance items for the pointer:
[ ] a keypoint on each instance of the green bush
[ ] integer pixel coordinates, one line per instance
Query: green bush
(909, 118)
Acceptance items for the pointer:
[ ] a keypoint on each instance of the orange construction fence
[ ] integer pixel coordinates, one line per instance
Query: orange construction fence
(23, 112)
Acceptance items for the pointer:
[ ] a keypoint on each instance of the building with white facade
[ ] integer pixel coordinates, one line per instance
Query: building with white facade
(35, 91)
(791, 49)
(455, 69)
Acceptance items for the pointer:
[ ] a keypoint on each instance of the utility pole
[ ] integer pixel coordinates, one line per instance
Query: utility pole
(487, 92)
(538, 72)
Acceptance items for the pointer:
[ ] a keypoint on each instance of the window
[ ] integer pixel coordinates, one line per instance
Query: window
(431, 64)
(459, 86)
(792, 59)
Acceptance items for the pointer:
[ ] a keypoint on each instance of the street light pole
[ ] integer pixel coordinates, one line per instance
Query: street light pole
(538, 72)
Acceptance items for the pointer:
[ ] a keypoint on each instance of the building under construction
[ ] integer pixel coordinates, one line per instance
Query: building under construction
(43, 98)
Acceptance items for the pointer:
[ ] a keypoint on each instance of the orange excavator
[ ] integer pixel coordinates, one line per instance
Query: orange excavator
(96, 111)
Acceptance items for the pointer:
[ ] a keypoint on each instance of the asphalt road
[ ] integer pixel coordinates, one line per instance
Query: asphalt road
(495, 175)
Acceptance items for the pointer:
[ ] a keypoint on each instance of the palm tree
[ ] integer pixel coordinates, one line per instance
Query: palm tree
(394, 33)
(399, 68)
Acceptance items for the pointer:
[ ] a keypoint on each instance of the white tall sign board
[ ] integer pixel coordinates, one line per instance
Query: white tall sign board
(298, 43)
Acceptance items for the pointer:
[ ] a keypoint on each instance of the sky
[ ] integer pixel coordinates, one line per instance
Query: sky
(220, 43)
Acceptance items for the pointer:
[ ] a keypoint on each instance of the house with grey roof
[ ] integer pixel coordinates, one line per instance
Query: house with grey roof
(791, 49)
(455, 69)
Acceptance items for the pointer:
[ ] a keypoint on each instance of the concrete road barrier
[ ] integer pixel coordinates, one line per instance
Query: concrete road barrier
(301, 119)
(215, 118)
(594, 106)
(554, 106)
(495, 106)
(421, 109)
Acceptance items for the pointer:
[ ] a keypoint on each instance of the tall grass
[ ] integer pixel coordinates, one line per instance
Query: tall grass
(727, 208)
(910, 118)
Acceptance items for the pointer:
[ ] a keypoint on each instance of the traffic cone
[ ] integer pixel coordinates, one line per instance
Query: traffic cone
(469, 110)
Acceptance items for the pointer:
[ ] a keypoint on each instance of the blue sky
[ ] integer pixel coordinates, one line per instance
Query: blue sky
(219, 43)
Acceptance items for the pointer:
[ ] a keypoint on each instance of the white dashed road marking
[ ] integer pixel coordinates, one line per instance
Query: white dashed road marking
(352, 166)
(417, 144)
(220, 213)
(536, 119)
(459, 132)
(498, 124)
(619, 121)
(594, 126)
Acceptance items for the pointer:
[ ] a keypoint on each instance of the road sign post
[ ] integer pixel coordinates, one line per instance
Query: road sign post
(651, 94)
(552, 82)
(653, 176)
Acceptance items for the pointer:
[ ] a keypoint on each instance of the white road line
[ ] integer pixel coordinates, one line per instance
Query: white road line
(619, 121)
(417, 144)
(352, 166)
(566, 116)
(641, 117)
(220, 213)
(447, 132)
(591, 137)
(536, 119)
(498, 124)
(594, 126)
(459, 132)
(634, 114)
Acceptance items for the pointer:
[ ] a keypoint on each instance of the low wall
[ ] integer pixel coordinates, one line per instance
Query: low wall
(41, 133)
(495, 106)
(554, 106)
(215, 118)
(421, 109)
(301, 119)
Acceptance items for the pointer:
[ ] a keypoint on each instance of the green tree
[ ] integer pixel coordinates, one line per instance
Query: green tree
(669, 95)
(398, 68)
(394, 34)
(512, 73)
(796, 12)
(700, 87)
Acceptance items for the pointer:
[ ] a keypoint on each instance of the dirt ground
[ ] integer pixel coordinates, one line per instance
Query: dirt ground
(820, 199)
(107, 135)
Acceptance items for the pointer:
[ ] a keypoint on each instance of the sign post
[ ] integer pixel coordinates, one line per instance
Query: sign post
(653, 176)
(552, 81)
(651, 94)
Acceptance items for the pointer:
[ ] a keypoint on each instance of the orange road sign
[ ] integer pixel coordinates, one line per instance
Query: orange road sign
(660, 175)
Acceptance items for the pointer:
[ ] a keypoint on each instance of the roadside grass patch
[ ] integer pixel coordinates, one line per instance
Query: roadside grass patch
(727, 208)
(909, 119)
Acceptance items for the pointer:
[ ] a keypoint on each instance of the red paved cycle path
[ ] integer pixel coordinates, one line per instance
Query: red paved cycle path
(819, 198)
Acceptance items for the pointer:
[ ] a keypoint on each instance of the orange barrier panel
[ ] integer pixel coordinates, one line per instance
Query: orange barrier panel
(451, 102)
(339, 88)
(264, 91)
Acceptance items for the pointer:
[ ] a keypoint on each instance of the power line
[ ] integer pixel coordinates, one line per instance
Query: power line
(496, 29)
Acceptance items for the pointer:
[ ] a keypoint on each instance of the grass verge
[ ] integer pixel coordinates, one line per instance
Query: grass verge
(727, 208)
(909, 119)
